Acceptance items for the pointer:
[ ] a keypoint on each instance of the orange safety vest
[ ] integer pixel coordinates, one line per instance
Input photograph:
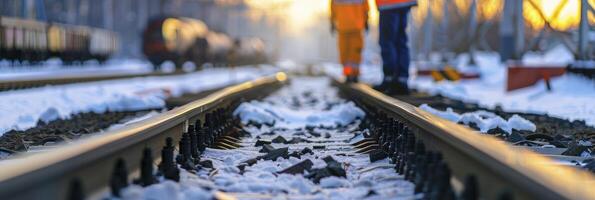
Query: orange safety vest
(349, 15)
(390, 4)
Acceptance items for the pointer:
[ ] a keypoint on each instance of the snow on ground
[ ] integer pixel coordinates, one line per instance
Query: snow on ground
(55, 67)
(304, 97)
(283, 112)
(22, 109)
(484, 120)
(572, 97)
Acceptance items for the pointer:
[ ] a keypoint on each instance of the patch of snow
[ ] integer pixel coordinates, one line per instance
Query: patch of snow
(334, 182)
(166, 190)
(270, 110)
(484, 120)
(22, 109)
(49, 115)
(557, 56)
(571, 96)
(448, 114)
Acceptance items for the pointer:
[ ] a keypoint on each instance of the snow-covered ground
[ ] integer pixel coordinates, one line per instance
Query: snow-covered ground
(22, 109)
(572, 97)
(307, 102)
(484, 120)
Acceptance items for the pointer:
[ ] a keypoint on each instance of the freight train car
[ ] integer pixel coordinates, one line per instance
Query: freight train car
(33, 41)
(184, 39)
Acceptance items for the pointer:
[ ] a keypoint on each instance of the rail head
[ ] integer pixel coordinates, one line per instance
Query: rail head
(22, 175)
(528, 173)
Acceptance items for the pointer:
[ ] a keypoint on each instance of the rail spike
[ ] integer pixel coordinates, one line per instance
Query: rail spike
(146, 170)
(168, 167)
(119, 179)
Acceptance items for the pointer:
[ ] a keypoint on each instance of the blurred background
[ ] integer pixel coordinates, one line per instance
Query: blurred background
(298, 30)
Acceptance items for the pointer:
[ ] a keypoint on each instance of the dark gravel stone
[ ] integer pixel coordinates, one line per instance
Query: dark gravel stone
(274, 154)
(249, 162)
(474, 126)
(317, 174)
(299, 168)
(318, 147)
(269, 133)
(242, 167)
(539, 137)
(206, 164)
(261, 142)
(279, 139)
(575, 150)
(371, 193)
(377, 155)
(333, 168)
(314, 133)
(296, 140)
(306, 151)
(515, 137)
(266, 148)
(299, 133)
(296, 154)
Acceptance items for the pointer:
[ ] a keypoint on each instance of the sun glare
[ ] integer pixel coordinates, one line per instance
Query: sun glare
(298, 15)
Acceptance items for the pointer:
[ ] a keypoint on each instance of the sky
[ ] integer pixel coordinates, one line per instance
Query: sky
(303, 13)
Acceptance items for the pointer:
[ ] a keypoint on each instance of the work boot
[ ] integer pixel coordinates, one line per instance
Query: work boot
(352, 79)
(385, 83)
(397, 88)
(382, 87)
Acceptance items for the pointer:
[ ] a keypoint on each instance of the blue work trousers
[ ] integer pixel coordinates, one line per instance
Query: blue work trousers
(393, 44)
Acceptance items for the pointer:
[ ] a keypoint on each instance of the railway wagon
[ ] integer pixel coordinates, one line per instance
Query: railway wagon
(180, 40)
(34, 41)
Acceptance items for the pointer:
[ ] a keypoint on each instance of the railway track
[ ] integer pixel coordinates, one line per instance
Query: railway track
(32, 82)
(434, 158)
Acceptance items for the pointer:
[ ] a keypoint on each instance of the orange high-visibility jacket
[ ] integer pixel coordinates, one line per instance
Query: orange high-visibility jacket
(390, 4)
(349, 15)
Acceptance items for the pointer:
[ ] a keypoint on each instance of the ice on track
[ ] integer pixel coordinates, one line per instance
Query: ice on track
(304, 97)
(22, 109)
(572, 97)
(484, 120)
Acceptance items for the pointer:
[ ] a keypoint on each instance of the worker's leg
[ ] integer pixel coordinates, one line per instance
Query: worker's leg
(387, 40)
(402, 73)
(356, 45)
(342, 44)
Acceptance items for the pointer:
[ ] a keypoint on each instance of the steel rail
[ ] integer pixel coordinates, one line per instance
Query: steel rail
(498, 166)
(90, 162)
(31, 82)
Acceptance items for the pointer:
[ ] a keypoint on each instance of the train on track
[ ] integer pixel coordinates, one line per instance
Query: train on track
(181, 40)
(35, 41)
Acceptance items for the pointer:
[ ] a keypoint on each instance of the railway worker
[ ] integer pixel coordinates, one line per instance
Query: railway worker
(393, 45)
(349, 18)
